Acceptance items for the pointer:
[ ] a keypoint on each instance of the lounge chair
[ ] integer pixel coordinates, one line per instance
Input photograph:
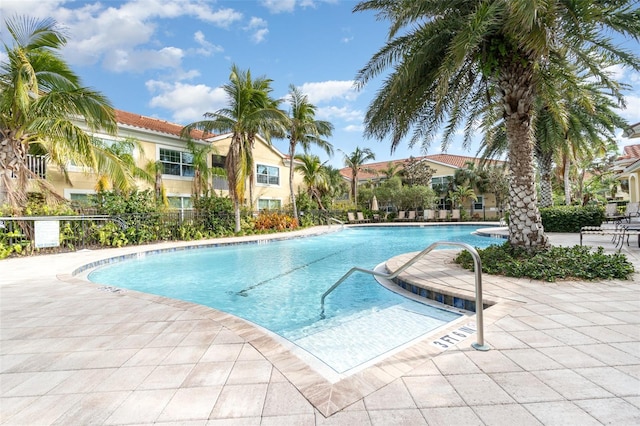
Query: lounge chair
(429, 215)
(361, 218)
(611, 213)
(351, 217)
(442, 215)
(632, 210)
(412, 216)
(455, 215)
(402, 215)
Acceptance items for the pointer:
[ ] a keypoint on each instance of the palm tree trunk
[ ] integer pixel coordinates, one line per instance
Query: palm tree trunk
(545, 163)
(567, 182)
(292, 149)
(13, 171)
(525, 222)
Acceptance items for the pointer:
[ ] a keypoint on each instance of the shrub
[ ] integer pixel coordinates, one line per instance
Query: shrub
(577, 262)
(570, 218)
(267, 221)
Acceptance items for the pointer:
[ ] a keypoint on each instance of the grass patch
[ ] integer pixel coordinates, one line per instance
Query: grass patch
(557, 263)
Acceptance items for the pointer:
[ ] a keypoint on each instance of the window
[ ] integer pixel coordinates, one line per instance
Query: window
(440, 181)
(444, 204)
(176, 163)
(268, 175)
(265, 204)
(219, 182)
(179, 202)
(80, 197)
(479, 205)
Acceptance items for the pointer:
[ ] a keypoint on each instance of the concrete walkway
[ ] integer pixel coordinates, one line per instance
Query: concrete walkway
(74, 352)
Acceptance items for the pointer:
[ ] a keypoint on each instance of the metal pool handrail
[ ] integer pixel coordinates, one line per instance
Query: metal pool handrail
(477, 266)
(335, 220)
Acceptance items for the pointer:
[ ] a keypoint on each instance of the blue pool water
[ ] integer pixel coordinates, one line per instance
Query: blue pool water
(278, 285)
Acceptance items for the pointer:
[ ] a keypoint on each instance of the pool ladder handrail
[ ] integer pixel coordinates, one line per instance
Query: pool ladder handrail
(335, 220)
(477, 265)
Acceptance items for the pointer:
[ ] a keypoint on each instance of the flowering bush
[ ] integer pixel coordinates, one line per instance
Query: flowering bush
(267, 221)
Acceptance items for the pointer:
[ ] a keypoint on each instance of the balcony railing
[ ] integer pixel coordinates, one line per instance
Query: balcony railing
(37, 164)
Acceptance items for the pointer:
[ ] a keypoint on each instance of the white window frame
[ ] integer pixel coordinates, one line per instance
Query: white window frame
(441, 178)
(480, 202)
(182, 198)
(269, 200)
(268, 175)
(68, 191)
(181, 164)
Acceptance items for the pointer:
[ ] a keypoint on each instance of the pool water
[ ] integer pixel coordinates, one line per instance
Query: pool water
(278, 285)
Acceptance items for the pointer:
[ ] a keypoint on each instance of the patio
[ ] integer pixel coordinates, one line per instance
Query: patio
(74, 352)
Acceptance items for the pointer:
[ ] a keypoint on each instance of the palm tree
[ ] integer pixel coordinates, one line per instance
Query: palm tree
(454, 63)
(461, 194)
(314, 175)
(156, 169)
(202, 173)
(306, 130)
(355, 161)
(392, 169)
(122, 149)
(250, 110)
(41, 99)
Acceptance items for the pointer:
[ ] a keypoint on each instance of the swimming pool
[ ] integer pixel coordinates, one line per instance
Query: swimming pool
(278, 286)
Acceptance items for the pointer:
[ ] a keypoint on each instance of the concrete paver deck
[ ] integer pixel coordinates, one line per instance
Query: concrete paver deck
(74, 352)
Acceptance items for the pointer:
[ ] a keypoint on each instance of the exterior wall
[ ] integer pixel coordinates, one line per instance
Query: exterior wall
(83, 181)
(265, 155)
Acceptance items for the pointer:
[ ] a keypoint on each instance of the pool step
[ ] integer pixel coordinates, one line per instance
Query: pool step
(369, 335)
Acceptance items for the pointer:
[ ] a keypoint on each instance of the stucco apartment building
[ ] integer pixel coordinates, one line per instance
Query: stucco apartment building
(628, 164)
(160, 140)
(445, 166)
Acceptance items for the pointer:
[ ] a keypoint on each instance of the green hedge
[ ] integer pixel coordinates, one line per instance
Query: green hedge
(571, 218)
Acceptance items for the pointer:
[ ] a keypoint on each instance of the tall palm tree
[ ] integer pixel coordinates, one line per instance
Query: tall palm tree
(355, 161)
(122, 149)
(314, 176)
(248, 112)
(392, 169)
(41, 99)
(306, 130)
(456, 62)
(156, 169)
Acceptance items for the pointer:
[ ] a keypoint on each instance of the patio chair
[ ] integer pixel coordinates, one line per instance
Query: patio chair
(412, 215)
(632, 210)
(611, 213)
(402, 215)
(429, 215)
(455, 215)
(361, 218)
(351, 217)
(442, 215)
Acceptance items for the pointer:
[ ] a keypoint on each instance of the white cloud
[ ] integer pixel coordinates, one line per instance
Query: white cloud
(327, 90)
(632, 112)
(354, 128)
(331, 113)
(207, 48)
(124, 32)
(259, 28)
(187, 102)
(140, 60)
(279, 6)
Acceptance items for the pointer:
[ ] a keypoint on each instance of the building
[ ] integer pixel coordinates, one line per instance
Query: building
(444, 166)
(160, 140)
(628, 164)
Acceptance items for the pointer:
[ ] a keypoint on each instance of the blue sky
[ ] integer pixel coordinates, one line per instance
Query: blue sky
(168, 58)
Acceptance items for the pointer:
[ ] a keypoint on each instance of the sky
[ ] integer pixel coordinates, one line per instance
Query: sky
(169, 58)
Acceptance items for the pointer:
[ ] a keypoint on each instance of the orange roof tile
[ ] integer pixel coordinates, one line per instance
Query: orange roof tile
(155, 124)
(457, 161)
(631, 151)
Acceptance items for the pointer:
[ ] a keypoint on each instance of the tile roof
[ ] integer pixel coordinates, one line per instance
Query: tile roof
(457, 161)
(630, 151)
(154, 124)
